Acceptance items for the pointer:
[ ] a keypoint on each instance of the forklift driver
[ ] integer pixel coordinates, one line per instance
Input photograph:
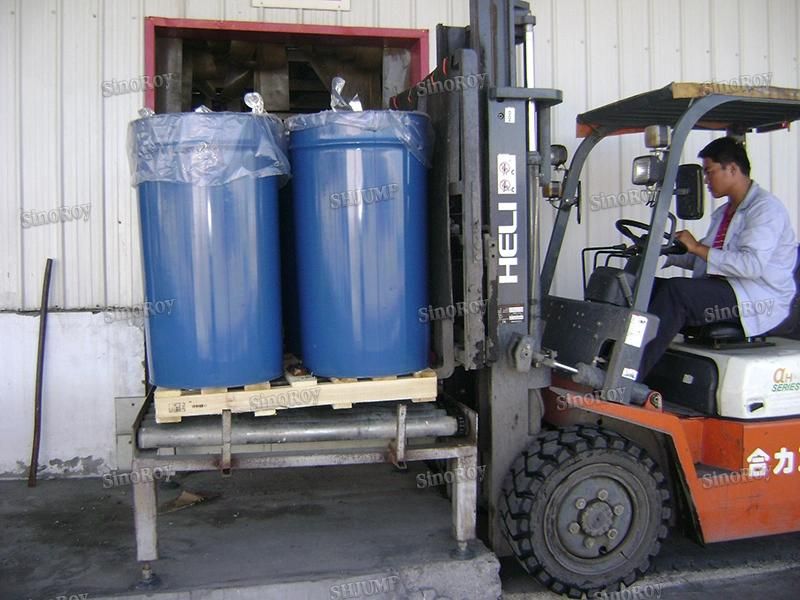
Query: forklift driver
(741, 270)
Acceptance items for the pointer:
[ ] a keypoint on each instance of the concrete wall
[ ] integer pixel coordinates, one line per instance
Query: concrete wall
(93, 369)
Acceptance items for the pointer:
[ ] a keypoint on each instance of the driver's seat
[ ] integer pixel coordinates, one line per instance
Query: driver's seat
(613, 285)
(727, 332)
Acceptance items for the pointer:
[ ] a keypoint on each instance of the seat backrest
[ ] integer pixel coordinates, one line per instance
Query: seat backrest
(790, 327)
(611, 286)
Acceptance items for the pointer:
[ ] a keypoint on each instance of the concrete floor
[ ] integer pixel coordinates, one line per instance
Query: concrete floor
(315, 533)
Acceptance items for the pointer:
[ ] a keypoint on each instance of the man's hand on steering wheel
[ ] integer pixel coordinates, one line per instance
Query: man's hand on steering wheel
(675, 245)
(687, 239)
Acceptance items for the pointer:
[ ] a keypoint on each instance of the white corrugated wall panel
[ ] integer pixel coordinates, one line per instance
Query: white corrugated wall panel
(391, 13)
(40, 142)
(10, 182)
(206, 9)
(783, 52)
(362, 13)
(241, 10)
(82, 264)
(122, 59)
(634, 71)
(427, 15)
(569, 16)
(602, 87)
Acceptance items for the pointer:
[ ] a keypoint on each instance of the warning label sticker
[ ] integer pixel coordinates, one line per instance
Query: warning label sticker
(636, 331)
(512, 313)
(506, 173)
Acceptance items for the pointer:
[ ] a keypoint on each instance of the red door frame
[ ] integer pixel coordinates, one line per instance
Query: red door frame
(415, 40)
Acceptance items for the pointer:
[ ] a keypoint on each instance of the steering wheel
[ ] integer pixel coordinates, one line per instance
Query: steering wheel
(673, 246)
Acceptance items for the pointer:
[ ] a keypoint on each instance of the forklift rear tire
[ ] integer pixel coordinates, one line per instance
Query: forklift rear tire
(584, 509)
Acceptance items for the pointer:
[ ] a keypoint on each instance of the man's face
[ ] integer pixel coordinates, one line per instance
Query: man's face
(719, 178)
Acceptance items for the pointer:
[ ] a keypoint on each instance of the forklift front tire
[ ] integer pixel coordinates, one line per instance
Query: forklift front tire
(584, 509)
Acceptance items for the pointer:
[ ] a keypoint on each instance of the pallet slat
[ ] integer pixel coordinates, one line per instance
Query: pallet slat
(297, 392)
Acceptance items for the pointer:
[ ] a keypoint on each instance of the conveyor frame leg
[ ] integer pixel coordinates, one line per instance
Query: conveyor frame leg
(144, 516)
(465, 501)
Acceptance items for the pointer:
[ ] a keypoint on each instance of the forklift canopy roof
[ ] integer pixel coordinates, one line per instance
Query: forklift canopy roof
(666, 105)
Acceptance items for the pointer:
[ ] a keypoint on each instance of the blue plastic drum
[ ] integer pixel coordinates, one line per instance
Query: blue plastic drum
(360, 191)
(208, 201)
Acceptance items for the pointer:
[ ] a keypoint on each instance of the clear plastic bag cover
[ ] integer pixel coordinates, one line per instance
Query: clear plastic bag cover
(206, 149)
(412, 128)
(338, 102)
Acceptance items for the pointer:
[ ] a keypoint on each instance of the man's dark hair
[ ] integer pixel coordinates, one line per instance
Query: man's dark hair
(727, 150)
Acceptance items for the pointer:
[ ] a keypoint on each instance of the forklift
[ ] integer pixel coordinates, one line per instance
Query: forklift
(587, 468)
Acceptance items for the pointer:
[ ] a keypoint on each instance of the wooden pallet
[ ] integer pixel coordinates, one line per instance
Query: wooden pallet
(292, 391)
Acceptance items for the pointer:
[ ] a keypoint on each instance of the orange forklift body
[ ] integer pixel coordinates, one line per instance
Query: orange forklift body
(757, 494)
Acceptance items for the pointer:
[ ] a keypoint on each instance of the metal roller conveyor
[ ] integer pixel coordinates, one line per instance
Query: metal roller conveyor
(318, 424)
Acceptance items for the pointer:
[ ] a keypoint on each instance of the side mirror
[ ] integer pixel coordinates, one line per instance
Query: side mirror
(689, 192)
(558, 155)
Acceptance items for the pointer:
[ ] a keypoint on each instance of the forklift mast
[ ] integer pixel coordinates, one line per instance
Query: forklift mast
(492, 151)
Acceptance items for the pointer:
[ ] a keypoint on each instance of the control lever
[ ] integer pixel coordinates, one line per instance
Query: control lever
(549, 360)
